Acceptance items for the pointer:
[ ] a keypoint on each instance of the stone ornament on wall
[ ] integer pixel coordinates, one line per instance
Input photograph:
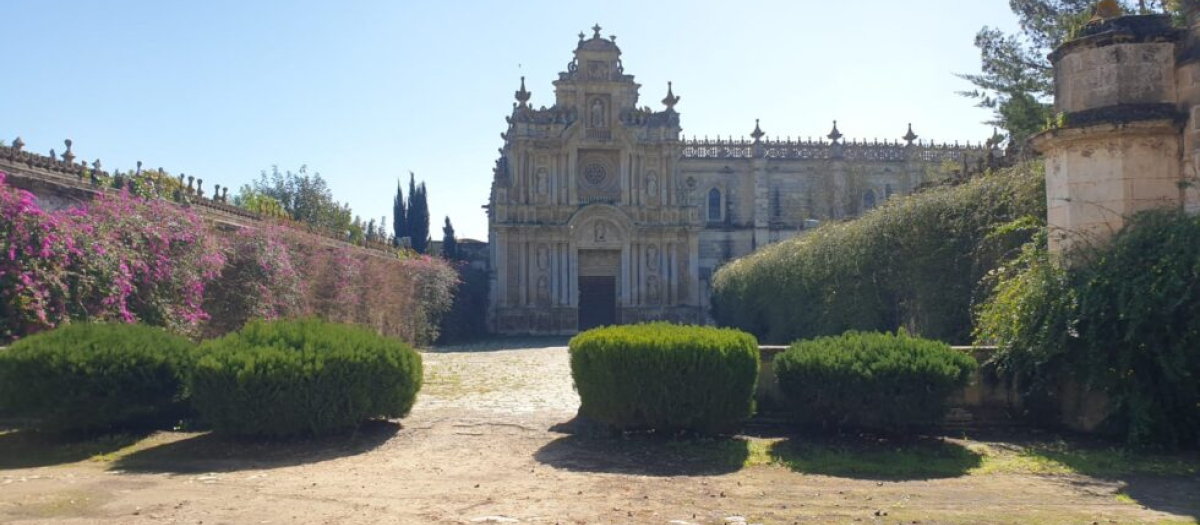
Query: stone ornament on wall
(601, 232)
(598, 70)
(653, 289)
(596, 115)
(652, 258)
(543, 290)
(652, 184)
(543, 257)
(543, 181)
(595, 174)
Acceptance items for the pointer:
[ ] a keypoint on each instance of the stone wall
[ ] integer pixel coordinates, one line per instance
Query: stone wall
(58, 182)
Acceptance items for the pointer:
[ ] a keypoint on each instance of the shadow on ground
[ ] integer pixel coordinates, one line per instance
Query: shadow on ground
(877, 459)
(31, 449)
(591, 450)
(212, 453)
(495, 344)
(1167, 483)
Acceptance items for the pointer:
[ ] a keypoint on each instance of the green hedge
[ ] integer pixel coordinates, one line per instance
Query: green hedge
(88, 377)
(666, 377)
(914, 262)
(1125, 317)
(303, 377)
(885, 382)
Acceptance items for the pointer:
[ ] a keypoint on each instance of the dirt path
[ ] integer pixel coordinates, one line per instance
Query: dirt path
(483, 445)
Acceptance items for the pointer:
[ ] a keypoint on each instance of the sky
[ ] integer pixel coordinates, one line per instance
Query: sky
(366, 91)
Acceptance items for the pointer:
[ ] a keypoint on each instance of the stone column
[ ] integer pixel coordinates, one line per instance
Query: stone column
(1116, 148)
(762, 201)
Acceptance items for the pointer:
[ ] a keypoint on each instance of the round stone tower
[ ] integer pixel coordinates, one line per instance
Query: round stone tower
(1116, 146)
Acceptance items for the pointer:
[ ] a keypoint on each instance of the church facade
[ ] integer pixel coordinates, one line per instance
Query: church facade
(602, 213)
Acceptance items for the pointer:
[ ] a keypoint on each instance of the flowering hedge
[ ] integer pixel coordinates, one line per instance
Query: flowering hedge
(120, 258)
(124, 258)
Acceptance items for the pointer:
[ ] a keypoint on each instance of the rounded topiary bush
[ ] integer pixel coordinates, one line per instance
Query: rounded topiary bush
(302, 377)
(88, 377)
(874, 381)
(666, 377)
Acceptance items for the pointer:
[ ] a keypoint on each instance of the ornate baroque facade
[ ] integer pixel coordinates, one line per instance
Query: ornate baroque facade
(601, 213)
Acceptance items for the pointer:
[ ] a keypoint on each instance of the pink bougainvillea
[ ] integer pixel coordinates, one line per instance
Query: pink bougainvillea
(119, 258)
(125, 258)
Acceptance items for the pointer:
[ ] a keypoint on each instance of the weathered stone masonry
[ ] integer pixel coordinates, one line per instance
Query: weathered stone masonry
(1128, 90)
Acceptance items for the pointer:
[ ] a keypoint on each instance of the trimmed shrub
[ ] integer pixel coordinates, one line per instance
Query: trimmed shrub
(302, 377)
(666, 377)
(87, 377)
(915, 263)
(875, 381)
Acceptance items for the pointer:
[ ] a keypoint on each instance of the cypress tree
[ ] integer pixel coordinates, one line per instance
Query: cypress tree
(449, 242)
(399, 216)
(418, 216)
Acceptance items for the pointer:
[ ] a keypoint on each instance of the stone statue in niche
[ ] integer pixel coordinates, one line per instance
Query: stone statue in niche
(652, 185)
(653, 290)
(601, 232)
(543, 289)
(543, 257)
(597, 115)
(543, 182)
(652, 258)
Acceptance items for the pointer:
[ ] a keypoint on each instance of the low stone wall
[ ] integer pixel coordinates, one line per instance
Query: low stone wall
(985, 402)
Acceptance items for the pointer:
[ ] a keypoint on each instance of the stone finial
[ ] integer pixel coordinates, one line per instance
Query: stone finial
(596, 28)
(53, 155)
(523, 95)
(190, 186)
(996, 139)
(225, 194)
(216, 192)
(18, 144)
(139, 168)
(835, 135)
(757, 134)
(200, 187)
(671, 99)
(67, 156)
(581, 37)
(910, 136)
(96, 165)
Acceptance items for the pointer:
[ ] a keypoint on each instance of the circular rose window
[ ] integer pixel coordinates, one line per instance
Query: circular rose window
(595, 174)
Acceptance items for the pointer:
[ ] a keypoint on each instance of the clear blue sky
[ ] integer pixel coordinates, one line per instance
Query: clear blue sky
(365, 91)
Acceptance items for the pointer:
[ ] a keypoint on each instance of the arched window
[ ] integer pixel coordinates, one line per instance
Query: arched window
(868, 200)
(714, 205)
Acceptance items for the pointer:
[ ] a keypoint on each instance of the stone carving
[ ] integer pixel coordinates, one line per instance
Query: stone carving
(597, 114)
(595, 174)
(653, 290)
(598, 70)
(543, 182)
(601, 232)
(652, 184)
(543, 289)
(652, 258)
(543, 257)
